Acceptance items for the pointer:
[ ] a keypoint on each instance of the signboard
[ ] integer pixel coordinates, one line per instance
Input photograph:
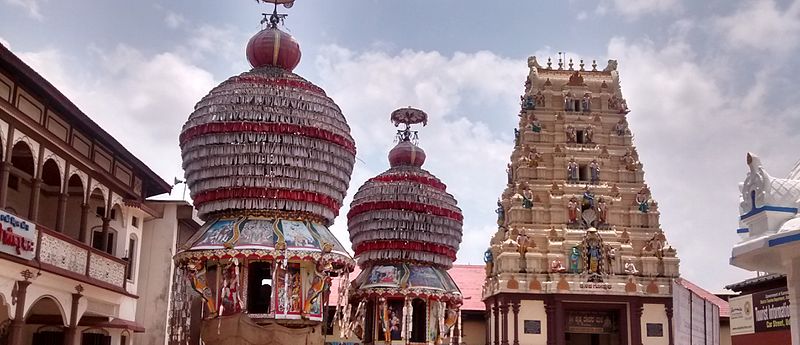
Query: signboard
(655, 330)
(595, 322)
(742, 320)
(17, 236)
(771, 310)
(533, 326)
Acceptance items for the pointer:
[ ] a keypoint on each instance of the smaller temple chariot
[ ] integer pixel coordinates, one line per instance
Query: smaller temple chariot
(405, 230)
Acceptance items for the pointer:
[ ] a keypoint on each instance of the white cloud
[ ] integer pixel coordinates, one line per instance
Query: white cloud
(141, 100)
(462, 150)
(174, 20)
(636, 8)
(761, 25)
(692, 133)
(30, 6)
(582, 15)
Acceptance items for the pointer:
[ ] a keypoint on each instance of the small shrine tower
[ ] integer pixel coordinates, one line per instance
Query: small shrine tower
(579, 256)
(406, 230)
(268, 157)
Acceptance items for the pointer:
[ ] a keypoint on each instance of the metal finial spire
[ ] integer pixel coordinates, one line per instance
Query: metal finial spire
(408, 116)
(274, 18)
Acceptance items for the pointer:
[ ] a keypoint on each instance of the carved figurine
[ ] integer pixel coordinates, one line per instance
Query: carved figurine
(528, 84)
(501, 213)
(573, 210)
(527, 198)
(523, 242)
(588, 135)
(556, 266)
(569, 105)
(510, 173)
(602, 211)
(657, 244)
(539, 99)
(586, 103)
(630, 267)
(571, 134)
(534, 157)
(527, 103)
(595, 254)
(629, 161)
(197, 275)
(488, 259)
(594, 172)
(621, 127)
(572, 171)
(643, 199)
(536, 126)
(588, 198)
(516, 137)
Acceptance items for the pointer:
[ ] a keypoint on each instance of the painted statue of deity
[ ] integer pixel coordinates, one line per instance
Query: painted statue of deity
(527, 102)
(569, 105)
(501, 213)
(318, 282)
(588, 134)
(516, 137)
(536, 126)
(197, 276)
(571, 134)
(602, 211)
(594, 172)
(574, 260)
(629, 161)
(621, 127)
(588, 198)
(488, 259)
(586, 103)
(643, 199)
(527, 199)
(573, 210)
(539, 99)
(594, 255)
(572, 171)
(534, 157)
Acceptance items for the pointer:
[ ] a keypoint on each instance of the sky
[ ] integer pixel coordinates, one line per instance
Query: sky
(707, 82)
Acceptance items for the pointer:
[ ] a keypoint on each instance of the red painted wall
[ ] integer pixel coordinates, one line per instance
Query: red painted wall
(763, 338)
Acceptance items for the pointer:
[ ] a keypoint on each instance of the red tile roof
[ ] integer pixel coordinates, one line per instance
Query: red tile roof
(469, 279)
(724, 309)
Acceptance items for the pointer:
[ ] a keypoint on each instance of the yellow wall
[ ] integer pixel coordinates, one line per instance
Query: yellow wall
(724, 333)
(530, 310)
(655, 313)
(474, 332)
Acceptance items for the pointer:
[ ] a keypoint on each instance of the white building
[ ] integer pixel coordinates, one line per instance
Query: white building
(83, 256)
(770, 230)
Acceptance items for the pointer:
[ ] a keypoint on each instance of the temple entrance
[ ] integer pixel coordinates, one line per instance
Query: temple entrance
(592, 328)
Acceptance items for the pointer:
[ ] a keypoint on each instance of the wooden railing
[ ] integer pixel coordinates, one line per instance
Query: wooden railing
(78, 260)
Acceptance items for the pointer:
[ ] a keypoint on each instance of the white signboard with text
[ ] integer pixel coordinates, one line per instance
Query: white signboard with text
(17, 236)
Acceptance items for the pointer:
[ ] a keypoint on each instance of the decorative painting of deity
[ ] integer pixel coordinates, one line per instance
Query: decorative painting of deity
(256, 232)
(229, 302)
(385, 275)
(448, 282)
(395, 321)
(315, 283)
(289, 286)
(424, 276)
(217, 234)
(296, 234)
(325, 236)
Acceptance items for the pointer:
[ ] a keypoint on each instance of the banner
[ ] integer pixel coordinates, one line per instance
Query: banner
(17, 236)
(771, 310)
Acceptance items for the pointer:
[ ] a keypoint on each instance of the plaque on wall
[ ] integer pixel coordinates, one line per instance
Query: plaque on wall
(598, 322)
(533, 326)
(655, 330)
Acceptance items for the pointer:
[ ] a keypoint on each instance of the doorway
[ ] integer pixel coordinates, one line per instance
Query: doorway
(592, 339)
(593, 327)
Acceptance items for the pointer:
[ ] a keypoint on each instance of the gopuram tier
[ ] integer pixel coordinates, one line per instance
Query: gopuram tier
(578, 234)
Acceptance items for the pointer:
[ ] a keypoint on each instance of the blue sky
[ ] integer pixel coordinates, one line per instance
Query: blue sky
(707, 82)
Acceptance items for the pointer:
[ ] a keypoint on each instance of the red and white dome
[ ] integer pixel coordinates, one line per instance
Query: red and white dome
(269, 141)
(405, 214)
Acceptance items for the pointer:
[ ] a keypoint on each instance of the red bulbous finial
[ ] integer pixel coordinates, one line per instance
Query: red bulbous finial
(273, 47)
(406, 153)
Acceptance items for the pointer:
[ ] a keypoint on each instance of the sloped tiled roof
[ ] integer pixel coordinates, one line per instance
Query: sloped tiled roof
(724, 309)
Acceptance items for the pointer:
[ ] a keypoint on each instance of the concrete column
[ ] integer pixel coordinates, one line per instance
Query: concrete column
(62, 211)
(83, 233)
(488, 333)
(504, 311)
(15, 329)
(33, 209)
(71, 332)
(5, 173)
(515, 309)
(559, 327)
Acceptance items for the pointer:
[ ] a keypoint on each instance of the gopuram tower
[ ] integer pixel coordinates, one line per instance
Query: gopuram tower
(579, 256)
(406, 230)
(268, 157)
